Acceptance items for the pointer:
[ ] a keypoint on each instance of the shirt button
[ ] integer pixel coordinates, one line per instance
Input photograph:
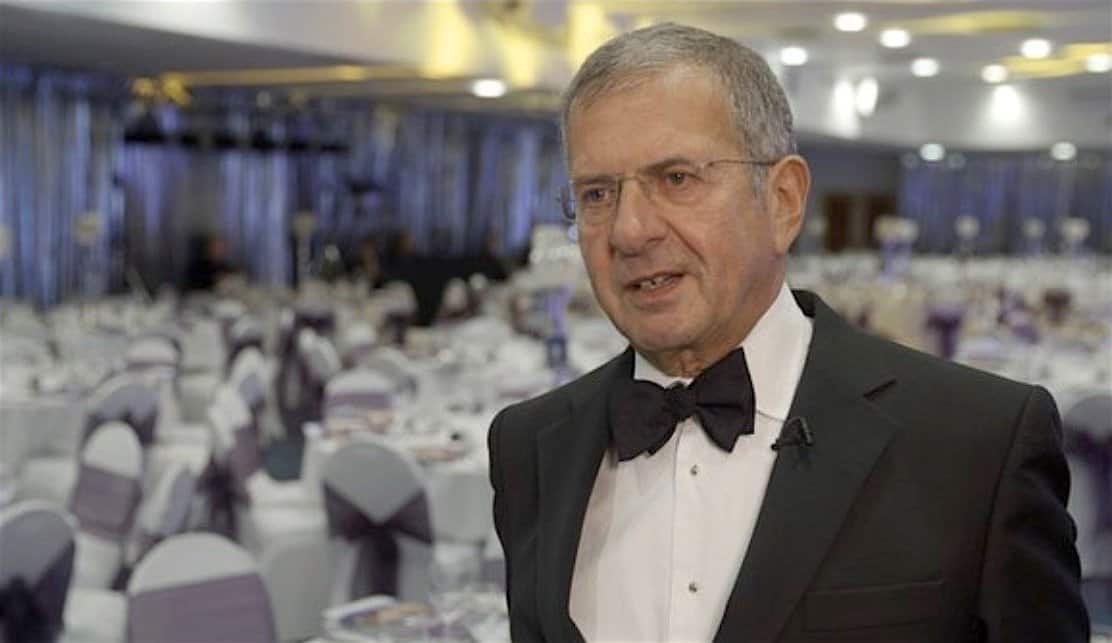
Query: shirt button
(694, 469)
(693, 587)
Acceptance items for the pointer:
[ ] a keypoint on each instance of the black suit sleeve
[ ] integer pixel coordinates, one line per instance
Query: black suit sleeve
(1030, 580)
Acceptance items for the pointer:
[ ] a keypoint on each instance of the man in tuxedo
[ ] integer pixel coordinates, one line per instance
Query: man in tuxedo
(753, 468)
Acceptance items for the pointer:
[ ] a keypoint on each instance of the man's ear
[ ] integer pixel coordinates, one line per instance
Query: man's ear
(786, 199)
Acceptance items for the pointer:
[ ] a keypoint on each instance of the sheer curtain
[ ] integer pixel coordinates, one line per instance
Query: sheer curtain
(59, 144)
(1004, 190)
(455, 181)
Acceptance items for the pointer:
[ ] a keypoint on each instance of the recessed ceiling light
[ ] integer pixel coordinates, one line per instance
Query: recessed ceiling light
(850, 21)
(994, 73)
(924, 67)
(1098, 63)
(793, 56)
(1063, 151)
(488, 88)
(895, 38)
(932, 152)
(1035, 48)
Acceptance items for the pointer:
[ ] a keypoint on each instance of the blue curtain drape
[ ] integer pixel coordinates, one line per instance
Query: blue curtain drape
(1002, 191)
(60, 139)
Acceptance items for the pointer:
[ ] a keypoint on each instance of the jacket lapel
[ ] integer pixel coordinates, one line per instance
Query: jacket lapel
(569, 453)
(811, 488)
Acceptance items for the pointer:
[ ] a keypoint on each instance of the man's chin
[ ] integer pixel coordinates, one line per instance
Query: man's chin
(662, 341)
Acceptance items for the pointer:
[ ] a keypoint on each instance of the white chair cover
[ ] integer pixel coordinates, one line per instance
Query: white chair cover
(356, 342)
(152, 352)
(196, 588)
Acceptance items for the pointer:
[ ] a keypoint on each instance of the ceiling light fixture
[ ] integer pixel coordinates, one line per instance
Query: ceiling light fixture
(1098, 63)
(850, 21)
(793, 56)
(924, 67)
(895, 38)
(932, 152)
(488, 88)
(1035, 48)
(1063, 151)
(993, 74)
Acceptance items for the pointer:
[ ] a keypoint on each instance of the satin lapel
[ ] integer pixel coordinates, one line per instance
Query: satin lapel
(811, 489)
(569, 453)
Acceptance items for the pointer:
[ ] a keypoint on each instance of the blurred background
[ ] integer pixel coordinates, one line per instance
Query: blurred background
(288, 243)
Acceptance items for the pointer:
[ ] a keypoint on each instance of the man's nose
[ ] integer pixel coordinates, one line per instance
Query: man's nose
(638, 221)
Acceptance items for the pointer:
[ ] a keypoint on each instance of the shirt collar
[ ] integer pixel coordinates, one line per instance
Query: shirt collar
(774, 353)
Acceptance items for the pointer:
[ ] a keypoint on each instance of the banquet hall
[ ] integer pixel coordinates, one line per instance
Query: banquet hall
(269, 269)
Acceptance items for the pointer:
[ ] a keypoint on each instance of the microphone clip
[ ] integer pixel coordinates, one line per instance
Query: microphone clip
(795, 433)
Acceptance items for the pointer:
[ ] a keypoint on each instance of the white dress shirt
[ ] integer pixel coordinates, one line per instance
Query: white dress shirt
(665, 534)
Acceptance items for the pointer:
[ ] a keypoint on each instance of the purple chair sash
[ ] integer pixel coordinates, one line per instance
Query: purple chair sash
(218, 485)
(945, 323)
(376, 567)
(356, 354)
(142, 424)
(361, 400)
(308, 407)
(395, 327)
(104, 502)
(34, 612)
(225, 483)
(235, 608)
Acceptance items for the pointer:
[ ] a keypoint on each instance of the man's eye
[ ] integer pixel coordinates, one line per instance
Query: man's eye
(593, 195)
(676, 178)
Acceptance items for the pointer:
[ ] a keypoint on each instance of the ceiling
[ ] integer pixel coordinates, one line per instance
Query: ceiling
(430, 51)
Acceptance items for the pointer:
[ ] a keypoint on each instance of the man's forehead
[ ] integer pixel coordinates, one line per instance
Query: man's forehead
(626, 129)
(628, 84)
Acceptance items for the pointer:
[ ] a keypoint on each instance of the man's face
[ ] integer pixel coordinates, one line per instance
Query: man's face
(718, 258)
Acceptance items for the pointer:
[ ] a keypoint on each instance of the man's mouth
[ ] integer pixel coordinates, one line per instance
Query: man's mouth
(655, 282)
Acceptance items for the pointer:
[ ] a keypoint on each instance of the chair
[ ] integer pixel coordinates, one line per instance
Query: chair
(154, 352)
(36, 562)
(250, 375)
(356, 342)
(197, 588)
(237, 483)
(316, 363)
(244, 333)
(164, 512)
(378, 518)
(362, 393)
(104, 502)
(203, 358)
(1087, 428)
(127, 398)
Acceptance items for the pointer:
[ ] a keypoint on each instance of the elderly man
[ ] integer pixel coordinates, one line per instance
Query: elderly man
(753, 468)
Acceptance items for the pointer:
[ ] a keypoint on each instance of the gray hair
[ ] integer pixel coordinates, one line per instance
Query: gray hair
(762, 116)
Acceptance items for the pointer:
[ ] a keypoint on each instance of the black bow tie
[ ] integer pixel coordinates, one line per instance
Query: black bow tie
(643, 415)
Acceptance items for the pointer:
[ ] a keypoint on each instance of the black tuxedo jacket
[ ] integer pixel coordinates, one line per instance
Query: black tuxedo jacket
(931, 506)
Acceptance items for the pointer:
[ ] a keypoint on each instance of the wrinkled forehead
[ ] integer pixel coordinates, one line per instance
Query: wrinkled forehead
(680, 112)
